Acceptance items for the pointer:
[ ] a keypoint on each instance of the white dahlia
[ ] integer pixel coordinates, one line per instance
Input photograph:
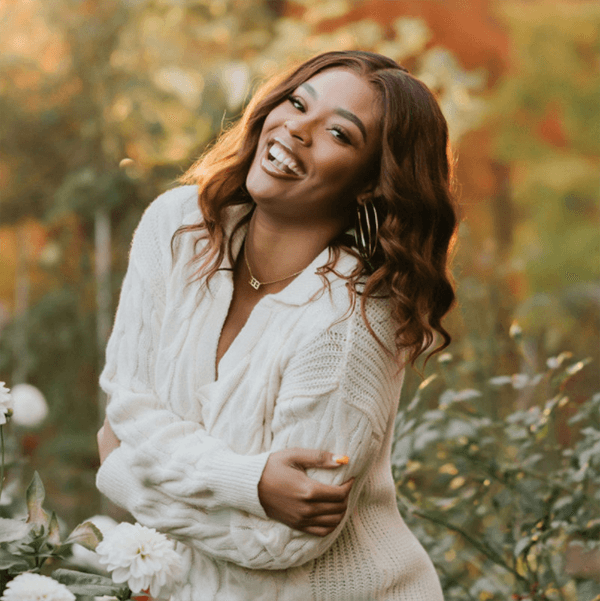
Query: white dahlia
(35, 587)
(142, 557)
(6, 403)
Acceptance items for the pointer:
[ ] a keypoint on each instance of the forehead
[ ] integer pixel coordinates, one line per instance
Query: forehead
(346, 89)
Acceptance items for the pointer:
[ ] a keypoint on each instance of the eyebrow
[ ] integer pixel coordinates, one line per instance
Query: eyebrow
(339, 111)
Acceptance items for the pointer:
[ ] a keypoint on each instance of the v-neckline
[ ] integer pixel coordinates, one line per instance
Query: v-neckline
(219, 360)
(297, 292)
(231, 277)
(263, 300)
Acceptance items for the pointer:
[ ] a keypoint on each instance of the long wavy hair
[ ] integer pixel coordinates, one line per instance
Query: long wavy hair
(416, 206)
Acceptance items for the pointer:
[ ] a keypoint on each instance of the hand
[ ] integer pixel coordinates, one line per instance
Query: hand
(288, 495)
(107, 441)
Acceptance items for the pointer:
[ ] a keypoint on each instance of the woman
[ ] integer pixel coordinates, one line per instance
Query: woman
(255, 364)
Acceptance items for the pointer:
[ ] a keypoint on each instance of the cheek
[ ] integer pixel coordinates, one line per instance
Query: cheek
(275, 118)
(339, 172)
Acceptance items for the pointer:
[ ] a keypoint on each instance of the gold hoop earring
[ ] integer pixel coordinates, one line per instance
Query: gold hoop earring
(367, 229)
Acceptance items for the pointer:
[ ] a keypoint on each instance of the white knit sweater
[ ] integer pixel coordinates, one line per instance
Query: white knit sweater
(301, 373)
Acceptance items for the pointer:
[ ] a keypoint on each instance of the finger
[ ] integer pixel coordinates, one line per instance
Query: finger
(327, 521)
(325, 493)
(307, 458)
(318, 530)
(317, 509)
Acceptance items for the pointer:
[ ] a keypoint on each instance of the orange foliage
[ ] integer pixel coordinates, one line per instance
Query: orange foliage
(468, 29)
(550, 128)
(33, 234)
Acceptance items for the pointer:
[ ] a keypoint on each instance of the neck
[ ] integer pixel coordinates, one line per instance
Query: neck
(276, 250)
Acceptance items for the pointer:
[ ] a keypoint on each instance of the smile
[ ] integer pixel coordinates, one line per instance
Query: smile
(280, 157)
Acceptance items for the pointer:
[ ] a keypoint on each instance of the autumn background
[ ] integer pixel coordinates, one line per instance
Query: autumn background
(103, 104)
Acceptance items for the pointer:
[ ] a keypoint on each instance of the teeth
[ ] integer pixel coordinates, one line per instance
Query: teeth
(282, 159)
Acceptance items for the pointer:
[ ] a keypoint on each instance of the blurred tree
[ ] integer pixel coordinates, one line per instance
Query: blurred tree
(548, 139)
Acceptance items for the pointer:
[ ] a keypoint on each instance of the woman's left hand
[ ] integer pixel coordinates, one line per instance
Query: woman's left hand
(107, 441)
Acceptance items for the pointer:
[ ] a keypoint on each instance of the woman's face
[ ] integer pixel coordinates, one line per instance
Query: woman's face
(316, 149)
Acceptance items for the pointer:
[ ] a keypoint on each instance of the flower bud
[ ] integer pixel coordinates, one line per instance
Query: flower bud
(515, 331)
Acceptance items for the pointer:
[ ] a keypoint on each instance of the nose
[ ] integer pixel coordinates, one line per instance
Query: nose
(299, 129)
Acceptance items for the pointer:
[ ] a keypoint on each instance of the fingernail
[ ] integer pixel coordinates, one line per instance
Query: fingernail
(341, 459)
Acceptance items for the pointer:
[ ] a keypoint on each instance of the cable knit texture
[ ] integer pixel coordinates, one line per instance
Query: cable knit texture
(303, 372)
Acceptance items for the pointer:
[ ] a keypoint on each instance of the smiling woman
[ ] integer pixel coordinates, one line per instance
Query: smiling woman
(257, 355)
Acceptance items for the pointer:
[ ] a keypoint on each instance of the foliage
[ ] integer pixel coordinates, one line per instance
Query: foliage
(547, 128)
(27, 545)
(34, 545)
(505, 496)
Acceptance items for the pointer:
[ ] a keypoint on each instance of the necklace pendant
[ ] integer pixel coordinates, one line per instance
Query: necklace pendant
(254, 283)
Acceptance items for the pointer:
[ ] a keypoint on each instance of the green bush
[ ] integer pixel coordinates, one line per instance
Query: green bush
(498, 495)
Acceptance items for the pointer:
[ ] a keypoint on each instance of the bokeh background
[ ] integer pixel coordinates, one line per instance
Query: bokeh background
(103, 104)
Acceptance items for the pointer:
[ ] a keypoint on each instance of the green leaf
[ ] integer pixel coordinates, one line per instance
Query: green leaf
(87, 535)
(521, 545)
(53, 531)
(91, 585)
(11, 530)
(35, 498)
(9, 560)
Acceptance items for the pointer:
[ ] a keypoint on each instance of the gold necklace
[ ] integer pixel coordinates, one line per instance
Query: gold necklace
(254, 282)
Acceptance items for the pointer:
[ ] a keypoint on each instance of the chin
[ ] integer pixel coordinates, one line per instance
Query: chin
(256, 188)
(260, 186)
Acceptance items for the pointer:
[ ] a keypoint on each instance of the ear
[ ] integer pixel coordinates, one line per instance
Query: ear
(369, 194)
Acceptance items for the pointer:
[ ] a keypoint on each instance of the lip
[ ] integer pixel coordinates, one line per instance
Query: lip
(268, 167)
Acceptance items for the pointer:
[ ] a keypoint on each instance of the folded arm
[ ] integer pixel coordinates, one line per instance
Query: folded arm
(340, 419)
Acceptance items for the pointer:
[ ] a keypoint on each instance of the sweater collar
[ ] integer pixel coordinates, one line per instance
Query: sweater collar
(308, 285)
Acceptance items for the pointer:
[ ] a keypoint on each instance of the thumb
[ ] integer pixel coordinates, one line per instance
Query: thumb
(307, 458)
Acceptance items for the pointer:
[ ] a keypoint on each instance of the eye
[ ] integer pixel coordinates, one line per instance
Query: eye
(297, 103)
(340, 134)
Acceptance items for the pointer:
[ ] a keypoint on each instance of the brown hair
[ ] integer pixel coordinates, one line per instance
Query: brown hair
(416, 206)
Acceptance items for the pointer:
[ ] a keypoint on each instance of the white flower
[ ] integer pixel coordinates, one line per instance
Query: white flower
(31, 408)
(141, 557)
(6, 403)
(35, 587)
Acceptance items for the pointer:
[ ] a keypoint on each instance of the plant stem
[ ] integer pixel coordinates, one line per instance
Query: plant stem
(490, 553)
(2, 462)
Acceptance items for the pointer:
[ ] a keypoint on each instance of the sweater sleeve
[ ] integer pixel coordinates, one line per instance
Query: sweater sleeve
(222, 477)
(338, 393)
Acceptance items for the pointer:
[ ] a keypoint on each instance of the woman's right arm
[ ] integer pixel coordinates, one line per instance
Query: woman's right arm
(134, 410)
(215, 476)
